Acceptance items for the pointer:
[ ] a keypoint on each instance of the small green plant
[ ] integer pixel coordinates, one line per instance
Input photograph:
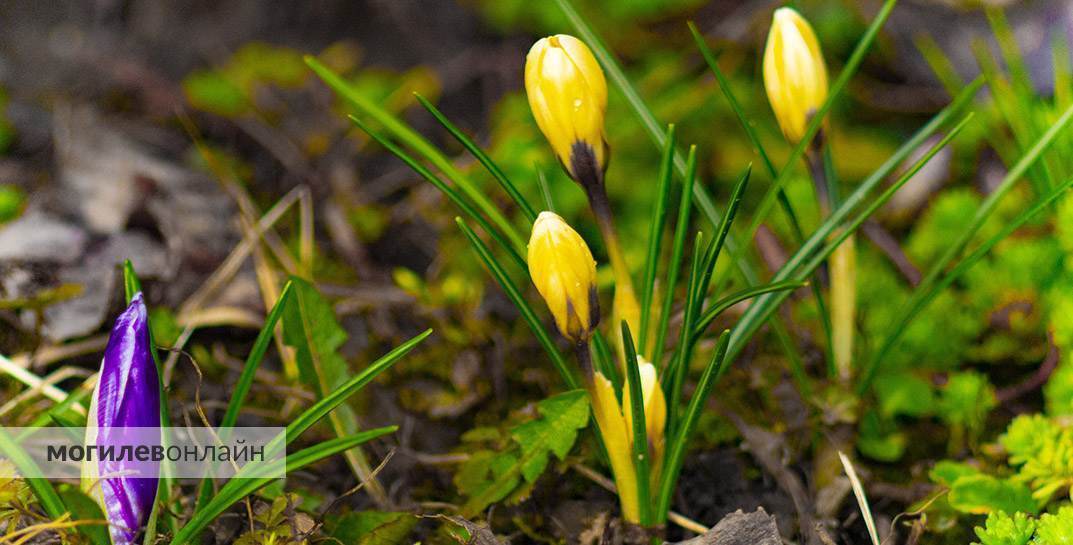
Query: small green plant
(1020, 529)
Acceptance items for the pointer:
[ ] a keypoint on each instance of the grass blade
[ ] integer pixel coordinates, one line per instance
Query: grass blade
(238, 488)
(321, 408)
(419, 144)
(41, 488)
(677, 248)
(862, 499)
(545, 189)
(245, 379)
(453, 195)
(715, 247)
(770, 302)
(732, 299)
(655, 235)
(481, 156)
(515, 296)
(921, 296)
(680, 439)
(674, 376)
(640, 434)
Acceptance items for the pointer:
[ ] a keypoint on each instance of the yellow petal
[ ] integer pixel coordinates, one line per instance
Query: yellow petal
(564, 272)
(612, 425)
(568, 96)
(795, 76)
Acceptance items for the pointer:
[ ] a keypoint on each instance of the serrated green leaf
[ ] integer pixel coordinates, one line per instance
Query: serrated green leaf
(1002, 529)
(489, 477)
(1055, 529)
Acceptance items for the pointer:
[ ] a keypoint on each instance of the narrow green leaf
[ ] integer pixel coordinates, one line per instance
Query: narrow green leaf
(481, 156)
(680, 439)
(86, 509)
(604, 360)
(245, 379)
(519, 301)
(41, 488)
(677, 248)
(131, 284)
(238, 487)
(447, 190)
(322, 407)
(732, 299)
(715, 246)
(253, 360)
(939, 63)
(419, 144)
(655, 235)
(674, 376)
(545, 189)
(640, 435)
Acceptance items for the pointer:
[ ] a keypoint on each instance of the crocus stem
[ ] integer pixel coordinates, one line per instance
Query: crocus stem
(843, 305)
(612, 426)
(814, 160)
(843, 266)
(625, 305)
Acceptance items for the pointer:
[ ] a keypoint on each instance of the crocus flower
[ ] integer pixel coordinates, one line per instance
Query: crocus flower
(564, 272)
(568, 95)
(795, 75)
(127, 396)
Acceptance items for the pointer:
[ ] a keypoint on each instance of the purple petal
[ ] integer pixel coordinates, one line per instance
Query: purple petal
(128, 396)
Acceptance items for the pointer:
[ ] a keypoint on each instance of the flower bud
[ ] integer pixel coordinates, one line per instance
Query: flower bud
(127, 396)
(568, 95)
(795, 76)
(564, 272)
(654, 403)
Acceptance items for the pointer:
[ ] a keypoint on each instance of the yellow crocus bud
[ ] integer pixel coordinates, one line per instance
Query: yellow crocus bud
(564, 272)
(794, 73)
(655, 403)
(655, 415)
(568, 95)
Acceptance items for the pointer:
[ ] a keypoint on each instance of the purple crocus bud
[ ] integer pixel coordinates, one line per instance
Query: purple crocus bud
(125, 402)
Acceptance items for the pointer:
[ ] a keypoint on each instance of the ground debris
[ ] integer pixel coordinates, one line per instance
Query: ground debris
(740, 528)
